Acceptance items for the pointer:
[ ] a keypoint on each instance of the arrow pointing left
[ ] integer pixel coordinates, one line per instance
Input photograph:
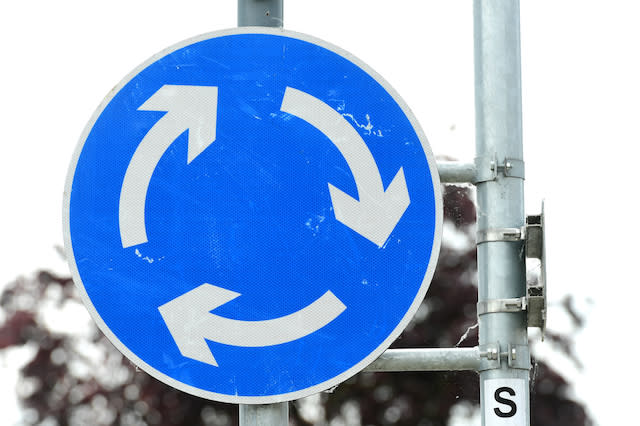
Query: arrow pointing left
(192, 108)
(190, 322)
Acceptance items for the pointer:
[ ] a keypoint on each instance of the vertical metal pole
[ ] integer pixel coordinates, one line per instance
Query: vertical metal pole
(264, 415)
(264, 13)
(500, 192)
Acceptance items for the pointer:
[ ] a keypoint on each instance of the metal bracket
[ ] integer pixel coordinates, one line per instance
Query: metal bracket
(485, 169)
(488, 168)
(491, 306)
(537, 292)
(535, 301)
(510, 167)
(499, 234)
(491, 355)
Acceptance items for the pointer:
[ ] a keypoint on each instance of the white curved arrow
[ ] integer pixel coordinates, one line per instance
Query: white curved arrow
(377, 212)
(192, 108)
(190, 322)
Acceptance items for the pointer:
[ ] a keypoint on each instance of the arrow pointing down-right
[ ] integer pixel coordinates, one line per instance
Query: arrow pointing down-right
(377, 212)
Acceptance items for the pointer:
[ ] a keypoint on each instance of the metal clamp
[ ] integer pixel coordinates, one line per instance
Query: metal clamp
(491, 355)
(510, 167)
(499, 234)
(488, 168)
(491, 306)
(535, 301)
(484, 170)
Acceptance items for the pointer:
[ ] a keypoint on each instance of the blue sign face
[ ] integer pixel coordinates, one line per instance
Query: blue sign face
(253, 216)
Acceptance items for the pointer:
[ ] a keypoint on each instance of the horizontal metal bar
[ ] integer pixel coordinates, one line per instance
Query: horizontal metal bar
(430, 359)
(455, 172)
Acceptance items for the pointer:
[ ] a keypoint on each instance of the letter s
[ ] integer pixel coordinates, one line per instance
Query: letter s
(505, 401)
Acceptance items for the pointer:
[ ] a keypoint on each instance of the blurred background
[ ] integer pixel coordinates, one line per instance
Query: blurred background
(580, 73)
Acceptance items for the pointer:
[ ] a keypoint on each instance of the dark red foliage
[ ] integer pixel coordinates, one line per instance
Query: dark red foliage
(16, 330)
(549, 400)
(458, 206)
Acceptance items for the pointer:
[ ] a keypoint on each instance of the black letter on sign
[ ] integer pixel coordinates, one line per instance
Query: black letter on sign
(505, 401)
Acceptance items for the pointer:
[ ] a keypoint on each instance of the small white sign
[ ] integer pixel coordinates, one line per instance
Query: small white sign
(504, 402)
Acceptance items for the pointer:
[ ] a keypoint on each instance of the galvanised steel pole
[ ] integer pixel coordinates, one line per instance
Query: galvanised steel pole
(264, 414)
(264, 13)
(504, 374)
(261, 13)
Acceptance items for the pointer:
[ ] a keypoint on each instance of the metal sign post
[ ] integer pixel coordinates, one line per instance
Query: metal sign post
(260, 13)
(504, 380)
(266, 13)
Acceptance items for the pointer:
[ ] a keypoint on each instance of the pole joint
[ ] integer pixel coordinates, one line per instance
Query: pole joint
(492, 355)
(488, 168)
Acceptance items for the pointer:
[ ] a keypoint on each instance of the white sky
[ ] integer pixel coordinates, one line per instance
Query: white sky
(581, 106)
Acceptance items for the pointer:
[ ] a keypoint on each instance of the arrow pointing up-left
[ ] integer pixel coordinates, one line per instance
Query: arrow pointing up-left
(192, 108)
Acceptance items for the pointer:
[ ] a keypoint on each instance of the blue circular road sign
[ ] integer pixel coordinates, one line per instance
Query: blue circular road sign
(252, 216)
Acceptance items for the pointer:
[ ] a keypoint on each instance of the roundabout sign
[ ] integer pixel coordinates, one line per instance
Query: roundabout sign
(252, 216)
